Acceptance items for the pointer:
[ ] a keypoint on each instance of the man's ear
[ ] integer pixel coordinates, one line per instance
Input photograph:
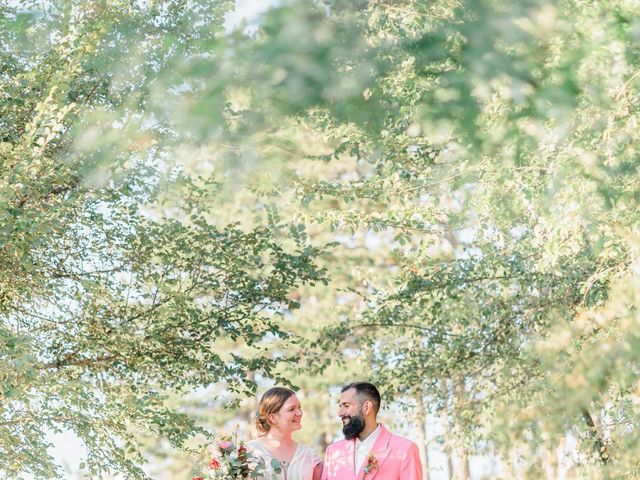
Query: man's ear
(367, 407)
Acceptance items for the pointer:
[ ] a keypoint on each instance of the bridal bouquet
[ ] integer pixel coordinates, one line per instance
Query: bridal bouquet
(230, 460)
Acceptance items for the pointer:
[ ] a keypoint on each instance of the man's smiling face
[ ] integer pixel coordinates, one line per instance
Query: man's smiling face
(350, 412)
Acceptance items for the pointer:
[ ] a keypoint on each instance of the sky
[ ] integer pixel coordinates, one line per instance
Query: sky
(248, 11)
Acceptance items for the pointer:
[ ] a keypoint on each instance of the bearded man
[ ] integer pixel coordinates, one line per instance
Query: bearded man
(369, 450)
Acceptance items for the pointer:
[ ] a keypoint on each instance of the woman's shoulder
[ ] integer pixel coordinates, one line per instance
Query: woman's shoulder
(304, 448)
(256, 446)
(306, 452)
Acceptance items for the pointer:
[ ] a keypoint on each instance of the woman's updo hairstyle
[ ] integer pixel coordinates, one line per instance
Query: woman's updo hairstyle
(271, 402)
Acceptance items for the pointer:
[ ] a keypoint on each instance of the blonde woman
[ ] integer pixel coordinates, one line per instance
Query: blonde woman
(279, 415)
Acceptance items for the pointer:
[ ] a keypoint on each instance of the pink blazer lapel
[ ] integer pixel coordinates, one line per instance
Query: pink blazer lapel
(380, 452)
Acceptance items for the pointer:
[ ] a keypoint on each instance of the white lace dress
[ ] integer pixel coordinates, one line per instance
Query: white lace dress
(300, 468)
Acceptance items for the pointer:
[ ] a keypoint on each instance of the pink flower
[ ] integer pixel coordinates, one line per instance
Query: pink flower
(214, 464)
(224, 444)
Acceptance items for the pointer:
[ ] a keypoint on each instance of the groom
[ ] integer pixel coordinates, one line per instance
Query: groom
(369, 450)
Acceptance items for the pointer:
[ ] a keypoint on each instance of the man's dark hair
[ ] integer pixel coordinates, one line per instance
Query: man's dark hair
(365, 391)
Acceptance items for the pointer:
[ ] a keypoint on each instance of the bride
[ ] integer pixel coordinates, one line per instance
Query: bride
(279, 415)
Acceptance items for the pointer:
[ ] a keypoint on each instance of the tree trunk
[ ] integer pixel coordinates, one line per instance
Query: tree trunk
(328, 426)
(423, 440)
(550, 463)
(598, 443)
(463, 472)
(447, 428)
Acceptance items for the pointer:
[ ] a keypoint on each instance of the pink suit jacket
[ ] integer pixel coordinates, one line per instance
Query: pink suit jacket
(397, 458)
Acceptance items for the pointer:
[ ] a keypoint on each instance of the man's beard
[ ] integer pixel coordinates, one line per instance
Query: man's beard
(355, 426)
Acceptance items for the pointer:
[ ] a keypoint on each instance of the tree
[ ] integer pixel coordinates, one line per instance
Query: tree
(112, 293)
(483, 152)
(490, 134)
(486, 146)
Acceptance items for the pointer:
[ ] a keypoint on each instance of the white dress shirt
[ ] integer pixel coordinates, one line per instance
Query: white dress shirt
(364, 448)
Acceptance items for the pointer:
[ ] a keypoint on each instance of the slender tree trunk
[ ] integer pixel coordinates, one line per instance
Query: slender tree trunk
(598, 443)
(464, 472)
(447, 449)
(447, 428)
(550, 466)
(422, 435)
(513, 465)
(327, 425)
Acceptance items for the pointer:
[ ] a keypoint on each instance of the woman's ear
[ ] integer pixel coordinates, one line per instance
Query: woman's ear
(272, 418)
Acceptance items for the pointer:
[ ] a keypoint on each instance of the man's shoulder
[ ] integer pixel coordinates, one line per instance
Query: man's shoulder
(400, 442)
(338, 445)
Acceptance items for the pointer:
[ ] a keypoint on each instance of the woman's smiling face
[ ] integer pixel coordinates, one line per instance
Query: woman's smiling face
(289, 417)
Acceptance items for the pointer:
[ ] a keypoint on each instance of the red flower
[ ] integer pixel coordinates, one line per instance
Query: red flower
(242, 453)
(372, 464)
(197, 478)
(214, 464)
